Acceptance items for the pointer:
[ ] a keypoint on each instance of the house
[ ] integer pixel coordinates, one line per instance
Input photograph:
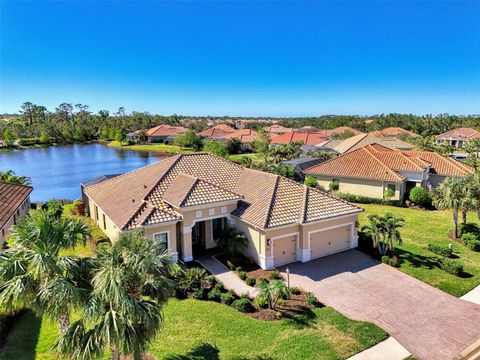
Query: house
(186, 200)
(393, 132)
(164, 133)
(457, 137)
(300, 164)
(372, 169)
(307, 129)
(276, 129)
(14, 204)
(216, 132)
(359, 141)
(312, 139)
(341, 130)
(246, 137)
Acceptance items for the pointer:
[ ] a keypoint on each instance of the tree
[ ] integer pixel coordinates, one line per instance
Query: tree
(189, 140)
(311, 181)
(444, 149)
(131, 283)
(450, 194)
(27, 109)
(53, 208)
(232, 242)
(120, 136)
(392, 225)
(233, 146)
(34, 274)
(215, 148)
(269, 292)
(424, 143)
(384, 231)
(8, 137)
(261, 144)
(472, 148)
(10, 177)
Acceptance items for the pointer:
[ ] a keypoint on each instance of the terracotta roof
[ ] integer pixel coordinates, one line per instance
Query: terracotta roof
(277, 129)
(11, 197)
(244, 135)
(217, 131)
(342, 129)
(380, 163)
(264, 200)
(358, 141)
(392, 132)
(460, 133)
(307, 129)
(306, 138)
(166, 130)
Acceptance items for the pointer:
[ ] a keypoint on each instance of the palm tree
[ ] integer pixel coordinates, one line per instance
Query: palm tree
(269, 292)
(451, 194)
(425, 143)
(131, 283)
(10, 177)
(391, 225)
(33, 273)
(376, 228)
(444, 149)
(232, 242)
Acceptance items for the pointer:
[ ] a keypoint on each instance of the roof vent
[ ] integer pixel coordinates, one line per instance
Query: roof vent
(144, 186)
(133, 200)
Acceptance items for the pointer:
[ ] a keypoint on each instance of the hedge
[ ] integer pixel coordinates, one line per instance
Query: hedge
(368, 200)
(453, 267)
(439, 249)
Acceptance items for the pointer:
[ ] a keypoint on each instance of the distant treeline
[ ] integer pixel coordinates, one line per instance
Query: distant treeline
(69, 123)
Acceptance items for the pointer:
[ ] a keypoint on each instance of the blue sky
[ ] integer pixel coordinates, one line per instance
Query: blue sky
(243, 58)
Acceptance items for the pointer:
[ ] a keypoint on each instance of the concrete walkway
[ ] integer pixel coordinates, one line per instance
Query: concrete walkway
(388, 349)
(228, 278)
(473, 295)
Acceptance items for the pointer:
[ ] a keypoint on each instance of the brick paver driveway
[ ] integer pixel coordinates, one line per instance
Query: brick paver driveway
(428, 322)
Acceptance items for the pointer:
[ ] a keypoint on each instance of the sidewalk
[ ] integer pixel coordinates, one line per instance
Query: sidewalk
(473, 295)
(228, 278)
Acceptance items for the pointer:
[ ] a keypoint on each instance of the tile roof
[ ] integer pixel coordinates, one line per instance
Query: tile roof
(342, 129)
(166, 130)
(460, 133)
(358, 141)
(306, 138)
(380, 163)
(392, 132)
(217, 131)
(265, 200)
(11, 197)
(244, 135)
(277, 129)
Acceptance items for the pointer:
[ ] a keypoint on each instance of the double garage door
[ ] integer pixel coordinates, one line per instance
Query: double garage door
(329, 241)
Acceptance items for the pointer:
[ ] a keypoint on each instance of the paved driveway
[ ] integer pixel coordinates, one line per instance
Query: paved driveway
(428, 322)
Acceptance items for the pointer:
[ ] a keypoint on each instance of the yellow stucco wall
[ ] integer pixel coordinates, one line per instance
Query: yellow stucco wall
(109, 227)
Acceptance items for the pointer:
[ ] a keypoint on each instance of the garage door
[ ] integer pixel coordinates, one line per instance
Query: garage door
(284, 250)
(329, 241)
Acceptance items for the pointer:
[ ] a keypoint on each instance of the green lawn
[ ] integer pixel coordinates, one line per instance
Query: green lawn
(421, 228)
(161, 148)
(256, 158)
(207, 330)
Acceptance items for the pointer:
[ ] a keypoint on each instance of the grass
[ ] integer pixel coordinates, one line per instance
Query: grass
(207, 330)
(424, 227)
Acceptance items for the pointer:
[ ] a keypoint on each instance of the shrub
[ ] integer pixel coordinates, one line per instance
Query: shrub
(228, 298)
(467, 237)
(261, 302)
(388, 193)
(198, 294)
(230, 265)
(243, 305)
(219, 286)
(311, 181)
(238, 269)
(275, 275)
(214, 294)
(443, 250)
(242, 275)
(368, 200)
(250, 281)
(469, 228)
(192, 280)
(453, 267)
(78, 208)
(474, 245)
(392, 261)
(53, 207)
(385, 259)
(295, 290)
(420, 196)
(311, 299)
(333, 186)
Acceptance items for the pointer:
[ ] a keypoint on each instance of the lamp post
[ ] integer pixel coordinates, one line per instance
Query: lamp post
(288, 277)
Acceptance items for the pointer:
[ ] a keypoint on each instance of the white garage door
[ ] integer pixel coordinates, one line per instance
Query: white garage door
(284, 250)
(329, 241)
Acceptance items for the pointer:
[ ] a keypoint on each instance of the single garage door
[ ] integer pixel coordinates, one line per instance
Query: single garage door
(329, 241)
(284, 250)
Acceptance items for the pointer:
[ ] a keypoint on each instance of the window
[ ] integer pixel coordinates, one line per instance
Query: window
(162, 240)
(391, 187)
(217, 226)
(96, 213)
(104, 223)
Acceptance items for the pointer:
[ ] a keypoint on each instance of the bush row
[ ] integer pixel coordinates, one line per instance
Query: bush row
(443, 250)
(368, 200)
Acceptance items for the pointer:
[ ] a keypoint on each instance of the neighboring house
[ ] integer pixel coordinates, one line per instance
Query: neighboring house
(14, 203)
(371, 170)
(91, 182)
(275, 130)
(246, 137)
(216, 132)
(312, 139)
(393, 132)
(307, 129)
(458, 137)
(342, 129)
(164, 133)
(300, 164)
(358, 141)
(186, 200)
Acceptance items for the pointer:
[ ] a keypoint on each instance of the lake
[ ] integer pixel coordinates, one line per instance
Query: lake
(57, 171)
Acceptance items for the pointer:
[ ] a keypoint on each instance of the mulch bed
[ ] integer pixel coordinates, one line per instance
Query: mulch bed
(294, 306)
(259, 273)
